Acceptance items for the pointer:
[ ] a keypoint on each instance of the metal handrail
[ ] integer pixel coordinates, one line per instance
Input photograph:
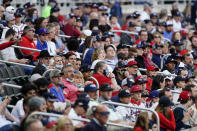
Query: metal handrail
(8, 62)
(159, 72)
(11, 85)
(123, 31)
(25, 48)
(66, 36)
(97, 85)
(129, 106)
(78, 119)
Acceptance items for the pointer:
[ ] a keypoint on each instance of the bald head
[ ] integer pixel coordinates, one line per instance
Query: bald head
(102, 114)
(93, 15)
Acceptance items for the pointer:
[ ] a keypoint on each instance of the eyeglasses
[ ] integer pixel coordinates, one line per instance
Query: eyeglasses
(104, 113)
(156, 36)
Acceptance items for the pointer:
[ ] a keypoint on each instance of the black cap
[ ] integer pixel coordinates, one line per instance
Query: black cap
(44, 53)
(124, 93)
(55, 9)
(178, 78)
(177, 13)
(178, 43)
(120, 64)
(170, 59)
(153, 15)
(164, 101)
(131, 24)
(83, 102)
(122, 46)
(28, 5)
(85, 68)
(105, 87)
(156, 46)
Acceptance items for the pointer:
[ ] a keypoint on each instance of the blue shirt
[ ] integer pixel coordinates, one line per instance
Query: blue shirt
(168, 35)
(42, 46)
(59, 94)
(87, 60)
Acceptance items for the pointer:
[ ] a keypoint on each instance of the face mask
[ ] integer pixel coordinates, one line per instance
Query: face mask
(70, 80)
(59, 66)
(106, 73)
(35, 16)
(78, 85)
(138, 29)
(45, 66)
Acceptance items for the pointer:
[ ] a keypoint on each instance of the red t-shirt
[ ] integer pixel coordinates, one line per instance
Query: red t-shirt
(71, 31)
(138, 129)
(102, 79)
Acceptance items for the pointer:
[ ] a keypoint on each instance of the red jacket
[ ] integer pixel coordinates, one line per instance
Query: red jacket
(138, 129)
(26, 42)
(170, 125)
(6, 44)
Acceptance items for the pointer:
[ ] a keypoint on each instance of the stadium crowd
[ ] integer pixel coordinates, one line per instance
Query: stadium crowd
(153, 66)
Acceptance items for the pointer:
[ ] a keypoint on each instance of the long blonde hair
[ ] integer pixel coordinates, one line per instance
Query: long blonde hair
(142, 121)
(61, 123)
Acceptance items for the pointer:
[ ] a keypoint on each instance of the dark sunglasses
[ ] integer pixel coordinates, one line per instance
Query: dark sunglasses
(104, 113)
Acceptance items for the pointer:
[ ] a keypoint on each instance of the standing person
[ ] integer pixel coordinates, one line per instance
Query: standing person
(166, 116)
(181, 113)
(101, 115)
(47, 10)
(142, 122)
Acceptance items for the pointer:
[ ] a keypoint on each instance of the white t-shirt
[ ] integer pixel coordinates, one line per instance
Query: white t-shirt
(176, 26)
(51, 48)
(129, 114)
(73, 114)
(18, 110)
(144, 16)
(8, 53)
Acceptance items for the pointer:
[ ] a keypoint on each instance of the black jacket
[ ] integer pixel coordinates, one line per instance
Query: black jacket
(93, 126)
(40, 69)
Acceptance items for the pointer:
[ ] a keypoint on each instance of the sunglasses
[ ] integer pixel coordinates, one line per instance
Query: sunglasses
(104, 113)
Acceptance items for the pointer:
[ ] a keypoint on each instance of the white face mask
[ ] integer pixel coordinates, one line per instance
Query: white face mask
(70, 80)
(59, 66)
(138, 28)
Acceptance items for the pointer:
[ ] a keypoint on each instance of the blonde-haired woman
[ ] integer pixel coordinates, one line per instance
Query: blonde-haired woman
(64, 124)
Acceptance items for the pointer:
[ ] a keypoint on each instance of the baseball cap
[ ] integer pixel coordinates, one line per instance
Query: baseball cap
(124, 93)
(28, 5)
(69, 16)
(185, 95)
(164, 101)
(154, 94)
(42, 31)
(10, 9)
(156, 46)
(140, 80)
(135, 88)
(120, 64)
(83, 102)
(168, 77)
(55, 9)
(170, 59)
(127, 82)
(153, 15)
(105, 87)
(178, 43)
(50, 97)
(131, 24)
(178, 78)
(90, 88)
(96, 38)
(34, 77)
(151, 68)
(55, 73)
(177, 13)
(131, 63)
(169, 23)
(87, 32)
(103, 8)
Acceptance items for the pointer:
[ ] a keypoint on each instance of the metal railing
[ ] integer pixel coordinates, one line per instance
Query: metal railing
(129, 106)
(66, 36)
(11, 85)
(78, 119)
(8, 62)
(97, 85)
(123, 31)
(25, 48)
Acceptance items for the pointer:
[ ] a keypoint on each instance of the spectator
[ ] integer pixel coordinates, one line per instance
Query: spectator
(68, 80)
(79, 109)
(70, 57)
(42, 86)
(181, 113)
(43, 64)
(56, 80)
(47, 10)
(42, 39)
(142, 123)
(33, 124)
(166, 116)
(132, 69)
(110, 56)
(40, 22)
(101, 115)
(157, 53)
(64, 123)
(27, 41)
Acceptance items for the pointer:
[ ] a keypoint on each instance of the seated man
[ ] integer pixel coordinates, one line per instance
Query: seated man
(44, 61)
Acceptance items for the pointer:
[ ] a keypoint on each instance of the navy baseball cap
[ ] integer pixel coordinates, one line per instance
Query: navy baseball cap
(154, 94)
(42, 31)
(156, 46)
(90, 88)
(178, 43)
(83, 102)
(124, 93)
(177, 13)
(178, 78)
(131, 24)
(55, 9)
(28, 5)
(170, 59)
(105, 87)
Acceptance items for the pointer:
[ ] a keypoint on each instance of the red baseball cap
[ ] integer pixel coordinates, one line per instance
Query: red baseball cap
(135, 88)
(184, 95)
(131, 63)
(151, 68)
(50, 124)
